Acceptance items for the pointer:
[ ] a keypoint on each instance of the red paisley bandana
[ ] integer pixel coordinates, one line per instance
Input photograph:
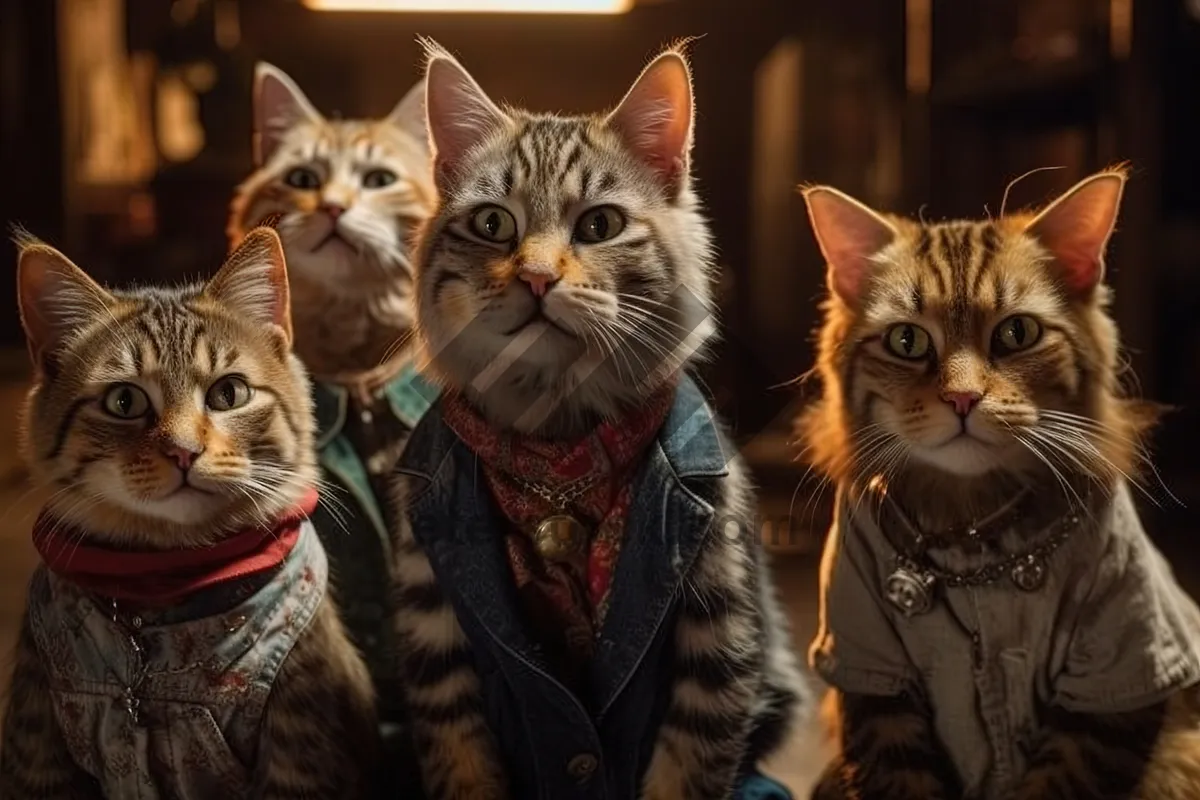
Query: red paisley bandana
(565, 600)
(161, 578)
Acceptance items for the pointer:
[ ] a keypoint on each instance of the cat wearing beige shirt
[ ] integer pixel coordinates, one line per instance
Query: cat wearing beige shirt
(994, 619)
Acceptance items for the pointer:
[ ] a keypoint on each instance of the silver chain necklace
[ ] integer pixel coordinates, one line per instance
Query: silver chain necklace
(913, 582)
(559, 536)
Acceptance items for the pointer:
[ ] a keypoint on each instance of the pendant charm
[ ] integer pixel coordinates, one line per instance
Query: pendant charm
(910, 589)
(559, 537)
(1029, 574)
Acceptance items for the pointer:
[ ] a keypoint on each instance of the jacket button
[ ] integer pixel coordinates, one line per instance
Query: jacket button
(582, 766)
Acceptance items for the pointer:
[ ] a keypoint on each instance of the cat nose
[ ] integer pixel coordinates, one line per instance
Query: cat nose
(184, 457)
(963, 402)
(333, 210)
(540, 277)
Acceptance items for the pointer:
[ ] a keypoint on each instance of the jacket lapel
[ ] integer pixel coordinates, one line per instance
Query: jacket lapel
(667, 526)
(665, 530)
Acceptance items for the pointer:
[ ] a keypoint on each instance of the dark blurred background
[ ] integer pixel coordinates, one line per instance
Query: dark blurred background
(125, 124)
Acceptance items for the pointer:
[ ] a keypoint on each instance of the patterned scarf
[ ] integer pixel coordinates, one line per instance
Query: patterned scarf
(564, 597)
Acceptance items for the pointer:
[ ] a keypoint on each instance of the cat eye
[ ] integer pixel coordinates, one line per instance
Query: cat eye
(228, 393)
(1015, 334)
(126, 401)
(302, 178)
(907, 341)
(599, 224)
(378, 178)
(495, 224)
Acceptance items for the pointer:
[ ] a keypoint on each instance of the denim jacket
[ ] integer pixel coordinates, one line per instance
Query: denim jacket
(170, 704)
(556, 745)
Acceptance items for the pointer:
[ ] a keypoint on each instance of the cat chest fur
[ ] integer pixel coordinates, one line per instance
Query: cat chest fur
(170, 704)
(1108, 631)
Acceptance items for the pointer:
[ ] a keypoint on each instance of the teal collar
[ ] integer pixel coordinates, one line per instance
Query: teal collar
(409, 395)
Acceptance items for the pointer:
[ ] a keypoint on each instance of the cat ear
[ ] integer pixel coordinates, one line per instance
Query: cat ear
(409, 114)
(460, 115)
(655, 118)
(1076, 227)
(849, 234)
(253, 282)
(56, 298)
(278, 105)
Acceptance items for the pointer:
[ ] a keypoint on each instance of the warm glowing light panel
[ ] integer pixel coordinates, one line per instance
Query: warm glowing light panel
(478, 6)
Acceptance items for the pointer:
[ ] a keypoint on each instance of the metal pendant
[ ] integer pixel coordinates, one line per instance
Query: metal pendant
(1029, 574)
(910, 589)
(560, 537)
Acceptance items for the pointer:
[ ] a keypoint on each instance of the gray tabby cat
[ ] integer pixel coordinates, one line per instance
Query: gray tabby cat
(175, 427)
(563, 281)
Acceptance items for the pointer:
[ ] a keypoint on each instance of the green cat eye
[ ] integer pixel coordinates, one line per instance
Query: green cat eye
(378, 178)
(599, 224)
(302, 178)
(228, 393)
(495, 224)
(907, 341)
(1016, 333)
(125, 401)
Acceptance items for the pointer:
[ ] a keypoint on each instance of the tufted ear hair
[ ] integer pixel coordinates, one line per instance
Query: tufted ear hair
(253, 282)
(656, 117)
(459, 113)
(1076, 228)
(56, 298)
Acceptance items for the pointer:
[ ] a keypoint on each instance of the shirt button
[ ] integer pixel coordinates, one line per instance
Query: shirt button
(582, 766)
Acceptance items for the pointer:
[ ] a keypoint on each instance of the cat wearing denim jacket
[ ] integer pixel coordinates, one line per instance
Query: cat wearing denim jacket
(581, 601)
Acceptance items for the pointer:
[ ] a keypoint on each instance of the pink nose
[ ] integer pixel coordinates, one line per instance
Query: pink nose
(540, 279)
(333, 210)
(182, 456)
(963, 402)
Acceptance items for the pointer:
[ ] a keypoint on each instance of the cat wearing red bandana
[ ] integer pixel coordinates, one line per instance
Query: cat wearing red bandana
(179, 639)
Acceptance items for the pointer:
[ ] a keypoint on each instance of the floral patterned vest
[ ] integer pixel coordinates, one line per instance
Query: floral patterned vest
(169, 704)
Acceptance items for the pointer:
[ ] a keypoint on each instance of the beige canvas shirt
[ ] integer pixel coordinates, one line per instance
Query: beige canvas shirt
(1109, 631)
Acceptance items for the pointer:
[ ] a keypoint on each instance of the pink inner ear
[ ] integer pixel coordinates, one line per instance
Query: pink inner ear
(1076, 227)
(849, 234)
(460, 115)
(278, 104)
(655, 118)
(1080, 271)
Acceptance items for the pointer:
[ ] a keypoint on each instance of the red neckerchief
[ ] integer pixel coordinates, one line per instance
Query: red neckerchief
(153, 579)
(565, 600)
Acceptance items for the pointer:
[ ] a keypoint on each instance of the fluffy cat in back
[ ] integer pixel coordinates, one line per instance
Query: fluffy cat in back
(178, 640)
(995, 620)
(581, 596)
(349, 194)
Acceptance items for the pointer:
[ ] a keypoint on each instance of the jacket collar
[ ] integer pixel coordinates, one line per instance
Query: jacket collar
(689, 439)
(409, 395)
